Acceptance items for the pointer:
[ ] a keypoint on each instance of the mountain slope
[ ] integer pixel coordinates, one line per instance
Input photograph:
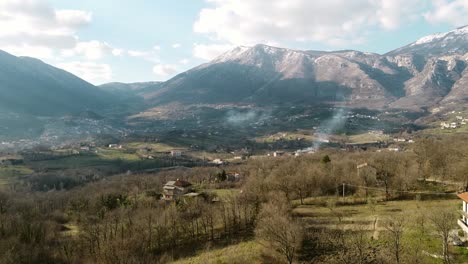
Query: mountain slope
(30, 86)
(419, 75)
(452, 42)
(264, 74)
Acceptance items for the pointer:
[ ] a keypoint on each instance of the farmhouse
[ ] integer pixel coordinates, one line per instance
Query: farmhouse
(463, 222)
(172, 190)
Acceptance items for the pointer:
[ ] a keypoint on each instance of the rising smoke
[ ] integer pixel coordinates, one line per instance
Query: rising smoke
(239, 118)
(329, 127)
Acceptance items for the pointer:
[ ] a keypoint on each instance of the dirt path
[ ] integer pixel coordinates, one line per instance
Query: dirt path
(375, 222)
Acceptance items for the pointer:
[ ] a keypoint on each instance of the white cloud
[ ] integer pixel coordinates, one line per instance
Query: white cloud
(165, 69)
(137, 53)
(454, 12)
(34, 24)
(184, 61)
(42, 53)
(73, 18)
(117, 52)
(89, 71)
(93, 50)
(157, 48)
(176, 45)
(210, 51)
(278, 21)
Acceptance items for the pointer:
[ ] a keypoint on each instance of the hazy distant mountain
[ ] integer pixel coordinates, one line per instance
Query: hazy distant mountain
(418, 75)
(129, 89)
(30, 86)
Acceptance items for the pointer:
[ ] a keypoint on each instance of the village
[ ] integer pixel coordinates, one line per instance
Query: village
(457, 122)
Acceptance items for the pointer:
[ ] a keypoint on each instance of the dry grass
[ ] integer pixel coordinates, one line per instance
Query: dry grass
(242, 253)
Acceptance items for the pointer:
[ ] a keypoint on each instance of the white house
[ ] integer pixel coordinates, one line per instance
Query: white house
(444, 125)
(278, 153)
(176, 153)
(463, 222)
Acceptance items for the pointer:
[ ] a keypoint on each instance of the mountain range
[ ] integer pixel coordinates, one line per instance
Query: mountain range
(424, 74)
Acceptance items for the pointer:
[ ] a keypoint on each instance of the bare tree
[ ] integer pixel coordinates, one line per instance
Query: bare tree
(395, 227)
(279, 230)
(443, 221)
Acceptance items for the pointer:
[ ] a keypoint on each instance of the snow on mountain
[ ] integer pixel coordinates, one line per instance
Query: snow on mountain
(420, 74)
(451, 42)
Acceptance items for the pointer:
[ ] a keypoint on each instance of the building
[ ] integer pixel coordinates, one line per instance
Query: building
(394, 149)
(233, 176)
(176, 153)
(278, 153)
(173, 190)
(217, 162)
(444, 125)
(463, 222)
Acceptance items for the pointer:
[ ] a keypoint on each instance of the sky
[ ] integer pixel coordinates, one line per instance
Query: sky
(153, 40)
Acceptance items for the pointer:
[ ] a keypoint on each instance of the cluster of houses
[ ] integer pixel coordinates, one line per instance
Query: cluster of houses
(403, 140)
(460, 121)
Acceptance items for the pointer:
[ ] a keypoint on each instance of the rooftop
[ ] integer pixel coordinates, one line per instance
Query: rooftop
(463, 196)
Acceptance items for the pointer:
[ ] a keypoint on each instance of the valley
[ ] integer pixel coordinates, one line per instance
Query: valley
(261, 155)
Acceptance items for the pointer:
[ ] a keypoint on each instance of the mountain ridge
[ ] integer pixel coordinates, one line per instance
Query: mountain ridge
(407, 77)
(29, 85)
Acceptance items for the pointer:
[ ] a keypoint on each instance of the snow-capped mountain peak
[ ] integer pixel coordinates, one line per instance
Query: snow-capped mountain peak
(451, 42)
(437, 36)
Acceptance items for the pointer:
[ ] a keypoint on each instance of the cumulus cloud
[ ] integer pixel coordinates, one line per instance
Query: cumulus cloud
(165, 69)
(90, 71)
(72, 18)
(176, 45)
(210, 51)
(452, 12)
(93, 50)
(42, 53)
(278, 21)
(34, 24)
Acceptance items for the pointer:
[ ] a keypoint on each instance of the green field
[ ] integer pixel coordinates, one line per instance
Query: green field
(9, 173)
(366, 137)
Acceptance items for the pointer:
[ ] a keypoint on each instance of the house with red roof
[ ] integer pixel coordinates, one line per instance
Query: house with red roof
(463, 222)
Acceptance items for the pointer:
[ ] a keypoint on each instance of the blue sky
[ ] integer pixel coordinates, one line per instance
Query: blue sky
(129, 41)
